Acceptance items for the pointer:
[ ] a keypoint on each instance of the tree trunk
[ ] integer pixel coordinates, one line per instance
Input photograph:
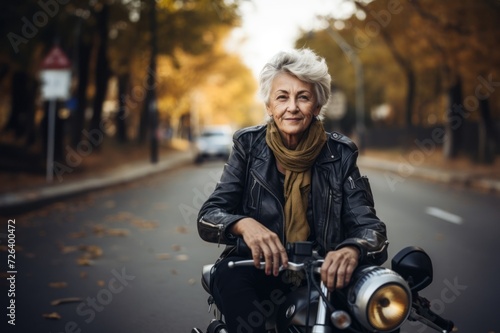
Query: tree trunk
(81, 91)
(102, 72)
(454, 121)
(486, 142)
(22, 116)
(121, 123)
(149, 117)
(410, 97)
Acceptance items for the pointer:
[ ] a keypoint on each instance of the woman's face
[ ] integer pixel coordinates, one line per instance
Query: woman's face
(292, 105)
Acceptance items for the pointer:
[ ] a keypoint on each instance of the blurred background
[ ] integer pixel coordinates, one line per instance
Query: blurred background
(405, 72)
(98, 89)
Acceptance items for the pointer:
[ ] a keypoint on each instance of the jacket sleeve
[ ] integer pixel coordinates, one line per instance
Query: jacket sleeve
(362, 227)
(221, 209)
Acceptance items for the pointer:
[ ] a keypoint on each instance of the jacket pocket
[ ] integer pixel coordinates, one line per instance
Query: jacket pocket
(362, 184)
(254, 195)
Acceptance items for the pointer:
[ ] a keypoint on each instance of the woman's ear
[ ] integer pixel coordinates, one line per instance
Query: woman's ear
(268, 110)
(317, 111)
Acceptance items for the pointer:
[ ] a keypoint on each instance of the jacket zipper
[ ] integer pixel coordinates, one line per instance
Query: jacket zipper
(219, 226)
(327, 222)
(351, 181)
(251, 192)
(256, 179)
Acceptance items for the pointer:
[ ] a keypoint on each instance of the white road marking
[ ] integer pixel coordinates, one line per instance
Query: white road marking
(444, 215)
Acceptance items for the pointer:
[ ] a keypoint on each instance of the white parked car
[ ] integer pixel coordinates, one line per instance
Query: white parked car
(214, 142)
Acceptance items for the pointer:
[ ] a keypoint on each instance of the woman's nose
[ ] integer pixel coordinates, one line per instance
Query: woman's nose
(292, 105)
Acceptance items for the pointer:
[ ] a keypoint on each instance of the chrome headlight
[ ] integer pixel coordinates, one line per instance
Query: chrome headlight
(379, 298)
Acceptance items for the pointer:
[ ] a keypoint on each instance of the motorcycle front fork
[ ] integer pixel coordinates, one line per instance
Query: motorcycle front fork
(322, 317)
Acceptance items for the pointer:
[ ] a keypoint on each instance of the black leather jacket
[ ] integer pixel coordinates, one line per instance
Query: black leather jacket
(341, 209)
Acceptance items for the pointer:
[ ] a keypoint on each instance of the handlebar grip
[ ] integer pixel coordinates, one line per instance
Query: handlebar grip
(431, 317)
(445, 324)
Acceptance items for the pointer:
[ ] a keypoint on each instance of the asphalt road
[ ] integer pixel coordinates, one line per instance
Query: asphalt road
(131, 257)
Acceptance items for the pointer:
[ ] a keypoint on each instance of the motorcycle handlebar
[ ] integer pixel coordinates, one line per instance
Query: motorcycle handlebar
(445, 324)
(292, 266)
(424, 314)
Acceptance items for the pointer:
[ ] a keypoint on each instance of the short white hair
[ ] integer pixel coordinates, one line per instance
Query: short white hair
(304, 64)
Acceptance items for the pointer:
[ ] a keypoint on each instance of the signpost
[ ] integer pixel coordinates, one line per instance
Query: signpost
(55, 74)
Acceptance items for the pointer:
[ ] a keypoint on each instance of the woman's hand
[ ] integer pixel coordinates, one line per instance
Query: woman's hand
(263, 243)
(338, 266)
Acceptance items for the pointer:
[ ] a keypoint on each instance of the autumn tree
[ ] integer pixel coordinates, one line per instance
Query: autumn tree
(108, 40)
(429, 60)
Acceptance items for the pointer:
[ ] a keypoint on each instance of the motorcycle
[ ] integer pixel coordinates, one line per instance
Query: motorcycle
(377, 299)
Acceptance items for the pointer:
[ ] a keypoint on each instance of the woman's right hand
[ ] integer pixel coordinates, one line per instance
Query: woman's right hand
(263, 243)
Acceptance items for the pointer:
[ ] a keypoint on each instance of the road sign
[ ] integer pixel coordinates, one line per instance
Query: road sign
(56, 59)
(55, 75)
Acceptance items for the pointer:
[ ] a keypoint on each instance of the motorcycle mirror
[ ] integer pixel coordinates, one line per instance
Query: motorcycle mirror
(415, 266)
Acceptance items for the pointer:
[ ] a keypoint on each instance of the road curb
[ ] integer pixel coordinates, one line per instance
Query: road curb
(463, 179)
(25, 200)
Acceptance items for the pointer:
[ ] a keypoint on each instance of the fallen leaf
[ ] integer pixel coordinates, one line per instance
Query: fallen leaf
(91, 251)
(53, 316)
(101, 283)
(182, 257)
(163, 256)
(191, 281)
(98, 230)
(118, 232)
(120, 217)
(58, 285)
(144, 224)
(84, 262)
(68, 249)
(84, 274)
(60, 301)
(173, 272)
(176, 247)
(181, 230)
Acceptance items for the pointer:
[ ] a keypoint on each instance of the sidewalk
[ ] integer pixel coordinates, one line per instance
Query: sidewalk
(404, 169)
(28, 198)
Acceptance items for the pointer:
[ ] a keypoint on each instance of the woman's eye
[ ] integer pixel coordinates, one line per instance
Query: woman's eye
(281, 97)
(304, 97)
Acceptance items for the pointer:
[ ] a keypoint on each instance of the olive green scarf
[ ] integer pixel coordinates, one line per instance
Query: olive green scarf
(297, 164)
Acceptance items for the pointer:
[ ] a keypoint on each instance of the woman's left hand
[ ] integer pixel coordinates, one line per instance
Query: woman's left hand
(338, 266)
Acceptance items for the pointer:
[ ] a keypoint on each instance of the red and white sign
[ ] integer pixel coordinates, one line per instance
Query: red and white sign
(56, 59)
(55, 75)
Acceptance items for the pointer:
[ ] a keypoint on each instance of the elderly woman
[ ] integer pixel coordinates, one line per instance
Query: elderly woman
(289, 181)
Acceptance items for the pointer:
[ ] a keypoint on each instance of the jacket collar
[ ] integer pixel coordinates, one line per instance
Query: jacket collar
(265, 163)
(329, 152)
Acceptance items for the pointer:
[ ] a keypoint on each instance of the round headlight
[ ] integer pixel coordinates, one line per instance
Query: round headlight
(380, 299)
